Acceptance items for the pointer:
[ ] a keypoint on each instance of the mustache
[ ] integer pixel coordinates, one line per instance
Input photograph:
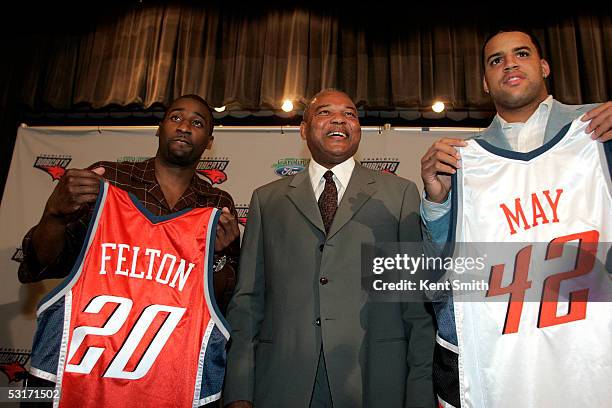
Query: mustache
(182, 137)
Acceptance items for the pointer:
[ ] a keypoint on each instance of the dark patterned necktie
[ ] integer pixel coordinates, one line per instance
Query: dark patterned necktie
(328, 201)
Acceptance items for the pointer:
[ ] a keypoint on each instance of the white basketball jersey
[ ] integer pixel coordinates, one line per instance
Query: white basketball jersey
(541, 335)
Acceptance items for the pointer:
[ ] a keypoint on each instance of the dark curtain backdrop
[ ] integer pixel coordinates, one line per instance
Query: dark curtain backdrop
(254, 58)
(251, 57)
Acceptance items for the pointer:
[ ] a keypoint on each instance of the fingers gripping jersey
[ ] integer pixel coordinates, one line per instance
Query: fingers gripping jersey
(540, 335)
(135, 323)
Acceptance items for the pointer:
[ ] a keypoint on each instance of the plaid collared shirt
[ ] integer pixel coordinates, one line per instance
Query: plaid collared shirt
(138, 179)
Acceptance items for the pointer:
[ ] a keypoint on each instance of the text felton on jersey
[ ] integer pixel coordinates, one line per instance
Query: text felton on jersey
(117, 255)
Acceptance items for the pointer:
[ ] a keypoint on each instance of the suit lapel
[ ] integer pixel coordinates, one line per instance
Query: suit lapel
(303, 198)
(494, 135)
(560, 115)
(360, 189)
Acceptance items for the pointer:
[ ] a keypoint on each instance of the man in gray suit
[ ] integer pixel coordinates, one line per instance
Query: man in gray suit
(303, 331)
(527, 117)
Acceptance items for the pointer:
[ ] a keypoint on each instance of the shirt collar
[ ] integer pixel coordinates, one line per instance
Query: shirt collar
(543, 107)
(144, 172)
(342, 171)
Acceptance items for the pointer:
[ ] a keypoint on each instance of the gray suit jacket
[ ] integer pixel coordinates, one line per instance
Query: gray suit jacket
(377, 354)
(560, 115)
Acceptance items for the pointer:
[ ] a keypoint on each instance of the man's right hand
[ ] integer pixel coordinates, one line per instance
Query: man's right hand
(75, 190)
(437, 164)
(240, 404)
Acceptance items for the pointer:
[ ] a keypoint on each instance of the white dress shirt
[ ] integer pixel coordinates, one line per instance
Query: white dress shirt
(342, 175)
(528, 136)
(522, 137)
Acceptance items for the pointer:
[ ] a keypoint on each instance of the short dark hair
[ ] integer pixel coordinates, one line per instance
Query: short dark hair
(507, 29)
(200, 100)
(315, 96)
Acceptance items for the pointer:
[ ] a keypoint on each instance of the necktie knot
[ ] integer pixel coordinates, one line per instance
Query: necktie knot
(328, 201)
(328, 176)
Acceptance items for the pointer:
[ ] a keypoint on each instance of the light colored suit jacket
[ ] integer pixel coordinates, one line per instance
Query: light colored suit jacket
(560, 115)
(377, 354)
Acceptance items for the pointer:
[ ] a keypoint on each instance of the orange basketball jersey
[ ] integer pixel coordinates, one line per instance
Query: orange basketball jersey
(135, 324)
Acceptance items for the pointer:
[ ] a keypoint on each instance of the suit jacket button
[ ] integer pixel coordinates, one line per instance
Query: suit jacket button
(321, 247)
(318, 321)
(323, 280)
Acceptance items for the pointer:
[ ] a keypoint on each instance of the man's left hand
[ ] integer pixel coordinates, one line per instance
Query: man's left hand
(227, 230)
(601, 122)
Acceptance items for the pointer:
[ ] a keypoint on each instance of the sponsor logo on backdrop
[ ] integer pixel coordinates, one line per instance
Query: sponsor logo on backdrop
(386, 165)
(243, 214)
(13, 362)
(213, 169)
(132, 159)
(18, 255)
(53, 165)
(290, 166)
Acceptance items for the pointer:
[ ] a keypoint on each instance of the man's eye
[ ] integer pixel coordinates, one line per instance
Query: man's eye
(175, 118)
(495, 61)
(197, 123)
(323, 112)
(350, 113)
(523, 53)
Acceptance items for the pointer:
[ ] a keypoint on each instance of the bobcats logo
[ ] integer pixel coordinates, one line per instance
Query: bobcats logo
(55, 166)
(18, 255)
(213, 170)
(12, 364)
(384, 165)
(214, 175)
(243, 213)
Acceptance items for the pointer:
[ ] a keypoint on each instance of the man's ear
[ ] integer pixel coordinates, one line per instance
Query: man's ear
(210, 142)
(484, 85)
(303, 130)
(545, 68)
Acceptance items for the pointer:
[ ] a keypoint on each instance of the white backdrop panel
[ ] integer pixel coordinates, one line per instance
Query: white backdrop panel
(247, 158)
